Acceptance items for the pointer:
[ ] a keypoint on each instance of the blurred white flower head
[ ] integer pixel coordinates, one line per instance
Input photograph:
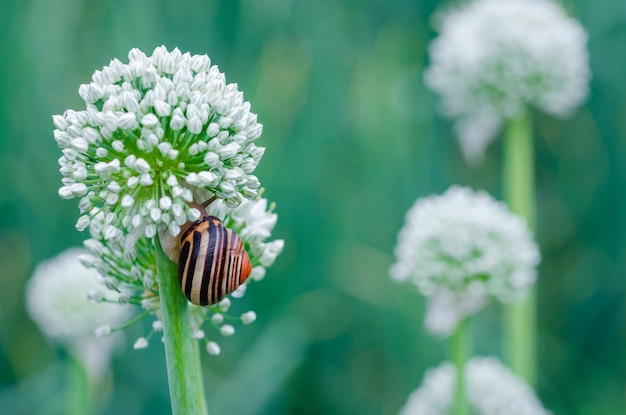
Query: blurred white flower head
(492, 389)
(494, 57)
(461, 249)
(58, 301)
(155, 131)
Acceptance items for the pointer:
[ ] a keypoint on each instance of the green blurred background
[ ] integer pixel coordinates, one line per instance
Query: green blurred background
(353, 137)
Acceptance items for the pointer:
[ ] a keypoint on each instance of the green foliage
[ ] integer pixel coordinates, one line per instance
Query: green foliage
(353, 138)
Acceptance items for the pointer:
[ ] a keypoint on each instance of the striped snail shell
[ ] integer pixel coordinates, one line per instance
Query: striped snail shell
(212, 262)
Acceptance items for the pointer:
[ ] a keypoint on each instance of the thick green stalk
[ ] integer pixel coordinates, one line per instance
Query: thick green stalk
(460, 354)
(181, 355)
(519, 193)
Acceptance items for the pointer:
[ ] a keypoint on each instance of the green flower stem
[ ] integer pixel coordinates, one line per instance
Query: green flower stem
(518, 182)
(78, 390)
(460, 354)
(181, 353)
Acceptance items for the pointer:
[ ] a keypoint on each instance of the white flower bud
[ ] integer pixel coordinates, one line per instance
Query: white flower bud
(150, 231)
(228, 151)
(177, 123)
(212, 159)
(141, 166)
(60, 122)
(127, 201)
(123, 298)
(155, 214)
(118, 146)
(128, 121)
(149, 120)
(227, 330)
(240, 291)
(66, 192)
(258, 273)
(162, 108)
(248, 318)
(94, 247)
(80, 144)
(103, 331)
(132, 182)
(140, 343)
(192, 179)
(213, 348)
(83, 222)
(194, 125)
(145, 180)
(173, 228)
(165, 203)
(79, 189)
(217, 318)
(95, 296)
(197, 334)
(224, 305)
(193, 214)
(271, 251)
(206, 178)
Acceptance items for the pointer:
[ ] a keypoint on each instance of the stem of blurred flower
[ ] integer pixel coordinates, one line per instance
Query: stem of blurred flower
(78, 388)
(460, 354)
(518, 182)
(181, 355)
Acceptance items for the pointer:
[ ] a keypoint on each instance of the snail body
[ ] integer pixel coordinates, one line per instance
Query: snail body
(212, 260)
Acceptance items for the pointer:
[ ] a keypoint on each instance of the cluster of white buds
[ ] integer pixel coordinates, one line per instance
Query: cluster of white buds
(154, 131)
(461, 249)
(494, 57)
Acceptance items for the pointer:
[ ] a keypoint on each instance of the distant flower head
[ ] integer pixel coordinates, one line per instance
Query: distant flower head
(494, 57)
(155, 131)
(434, 396)
(58, 301)
(494, 389)
(460, 249)
(491, 387)
(129, 265)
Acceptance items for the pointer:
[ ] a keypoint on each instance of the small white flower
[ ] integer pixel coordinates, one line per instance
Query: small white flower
(492, 389)
(461, 249)
(248, 318)
(227, 330)
(95, 296)
(157, 325)
(103, 331)
(258, 273)
(140, 343)
(240, 291)
(494, 57)
(268, 252)
(224, 305)
(197, 335)
(213, 348)
(217, 318)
